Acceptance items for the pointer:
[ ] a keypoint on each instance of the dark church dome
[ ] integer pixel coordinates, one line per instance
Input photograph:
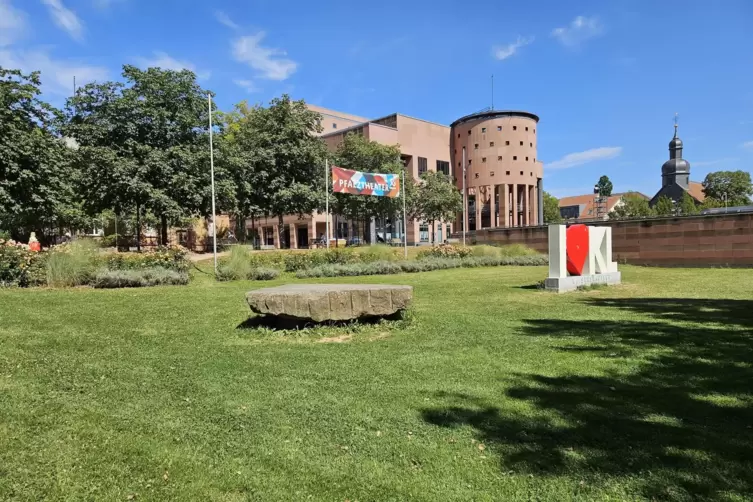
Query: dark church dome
(675, 144)
(676, 166)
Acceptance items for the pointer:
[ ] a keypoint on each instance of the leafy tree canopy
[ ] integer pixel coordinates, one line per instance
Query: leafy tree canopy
(632, 205)
(735, 186)
(604, 186)
(551, 209)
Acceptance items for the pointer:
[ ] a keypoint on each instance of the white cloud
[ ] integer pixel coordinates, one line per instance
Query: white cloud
(580, 29)
(12, 23)
(166, 62)
(57, 75)
(580, 158)
(270, 63)
(248, 85)
(65, 19)
(748, 145)
(504, 52)
(223, 18)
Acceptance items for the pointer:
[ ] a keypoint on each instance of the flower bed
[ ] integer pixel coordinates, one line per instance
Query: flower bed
(19, 266)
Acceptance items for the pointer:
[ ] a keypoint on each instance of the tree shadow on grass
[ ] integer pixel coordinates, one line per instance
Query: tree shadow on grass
(675, 420)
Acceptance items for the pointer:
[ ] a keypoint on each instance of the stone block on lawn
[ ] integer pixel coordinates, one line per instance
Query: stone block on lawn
(330, 302)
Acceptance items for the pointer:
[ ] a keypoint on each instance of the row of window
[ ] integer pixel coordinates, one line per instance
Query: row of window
(499, 128)
(499, 157)
(443, 166)
(491, 143)
(507, 173)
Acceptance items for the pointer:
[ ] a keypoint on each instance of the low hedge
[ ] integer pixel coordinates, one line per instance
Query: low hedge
(167, 257)
(140, 278)
(20, 267)
(226, 273)
(424, 265)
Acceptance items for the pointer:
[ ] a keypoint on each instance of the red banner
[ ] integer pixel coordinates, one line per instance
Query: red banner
(358, 183)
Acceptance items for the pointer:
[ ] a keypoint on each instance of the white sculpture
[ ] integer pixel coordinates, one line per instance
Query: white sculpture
(579, 256)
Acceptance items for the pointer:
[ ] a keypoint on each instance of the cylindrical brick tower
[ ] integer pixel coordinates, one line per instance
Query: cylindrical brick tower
(503, 176)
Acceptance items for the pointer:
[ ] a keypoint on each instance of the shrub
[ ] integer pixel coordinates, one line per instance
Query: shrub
(108, 241)
(236, 266)
(445, 251)
(4, 235)
(133, 278)
(19, 266)
(71, 264)
(264, 274)
(170, 257)
(424, 265)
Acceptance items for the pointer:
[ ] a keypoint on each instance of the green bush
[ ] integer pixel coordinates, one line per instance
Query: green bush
(20, 267)
(510, 250)
(424, 265)
(108, 241)
(169, 257)
(445, 251)
(264, 274)
(140, 278)
(4, 235)
(71, 264)
(237, 265)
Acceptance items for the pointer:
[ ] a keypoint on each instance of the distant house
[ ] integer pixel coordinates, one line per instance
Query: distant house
(675, 176)
(589, 207)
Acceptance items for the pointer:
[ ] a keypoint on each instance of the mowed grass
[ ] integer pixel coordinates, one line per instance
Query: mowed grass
(493, 391)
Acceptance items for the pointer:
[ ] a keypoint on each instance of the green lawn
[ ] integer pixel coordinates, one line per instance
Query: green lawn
(494, 391)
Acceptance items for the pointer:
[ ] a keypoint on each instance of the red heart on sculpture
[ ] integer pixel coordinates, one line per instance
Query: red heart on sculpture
(576, 240)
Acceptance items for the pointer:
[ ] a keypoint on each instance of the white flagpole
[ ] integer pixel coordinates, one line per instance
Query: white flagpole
(465, 200)
(405, 221)
(211, 164)
(326, 191)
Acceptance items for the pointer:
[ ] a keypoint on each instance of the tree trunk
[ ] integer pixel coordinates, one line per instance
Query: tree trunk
(138, 228)
(281, 231)
(163, 230)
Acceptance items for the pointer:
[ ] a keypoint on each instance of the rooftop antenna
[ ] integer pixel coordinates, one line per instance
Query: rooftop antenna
(492, 91)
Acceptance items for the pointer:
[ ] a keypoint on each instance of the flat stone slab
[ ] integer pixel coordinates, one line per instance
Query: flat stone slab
(565, 284)
(330, 302)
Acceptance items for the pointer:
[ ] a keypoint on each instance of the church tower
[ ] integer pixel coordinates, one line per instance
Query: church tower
(676, 170)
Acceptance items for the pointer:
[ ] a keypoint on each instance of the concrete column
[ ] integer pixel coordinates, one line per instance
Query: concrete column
(534, 206)
(527, 207)
(479, 205)
(312, 231)
(293, 237)
(514, 205)
(540, 201)
(504, 208)
(493, 206)
(276, 236)
(466, 216)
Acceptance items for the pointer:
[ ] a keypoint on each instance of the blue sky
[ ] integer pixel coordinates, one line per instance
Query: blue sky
(606, 77)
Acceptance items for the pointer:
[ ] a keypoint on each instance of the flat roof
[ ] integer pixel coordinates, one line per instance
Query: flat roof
(490, 114)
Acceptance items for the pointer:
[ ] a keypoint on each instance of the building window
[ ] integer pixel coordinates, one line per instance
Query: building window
(499, 157)
(534, 159)
(531, 175)
(491, 143)
(526, 159)
(499, 128)
(423, 232)
(483, 129)
(514, 157)
(507, 143)
(514, 128)
(491, 173)
(458, 135)
(521, 143)
(475, 147)
(507, 173)
(483, 159)
(476, 175)
(469, 132)
(459, 165)
(526, 128)
(443, 167)
(469, 161)
(521, 173)
(422, 166)
(530, 144)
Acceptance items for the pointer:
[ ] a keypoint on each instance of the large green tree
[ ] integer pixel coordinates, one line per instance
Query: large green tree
(437, 199)
(604, 186)
(278, 159)
(688, 205)
(35, 172)
(734, 186)
(664, 206)
(551, 209)
(143, 144)
(632, 205)
(360, 154)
